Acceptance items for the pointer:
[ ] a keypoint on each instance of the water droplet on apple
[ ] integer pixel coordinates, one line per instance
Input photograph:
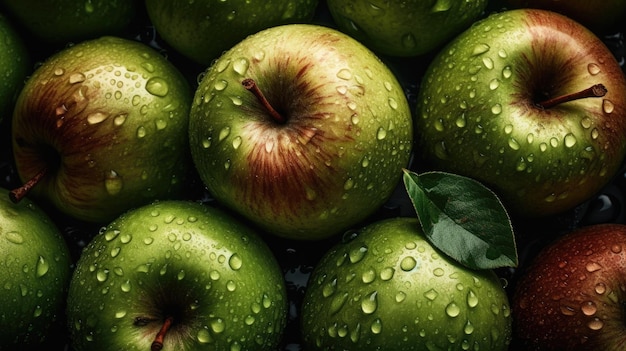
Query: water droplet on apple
(97, 117)
(593, 267)
(126, 286)
(356, 255)
(102, 275)
(488, 63)
(480, 49)
(393, 103)
(220, 85)
(120, 314)
(408, 41)
(408, 263)
(607, 106)
(496, 109)
(588, 308)
(141, 132)
(453, 310)
(241, 66)
(595, 324)
(593, 69)
(381, 134)
(441, 6)
(431, 294)
(377, 326)
(494, 84)
(369, 303)
(14, 237)
(157, 86)
(513, 144)
(570, 140)
(217, 325)
(507, 72)
(148, 66)
(77, 78)
(59, 71)
(235, 262)
(368, 276)
(600, 288)
(338, 302)
(330, 287)
(113, 182)
(115, 251)
(344, 74)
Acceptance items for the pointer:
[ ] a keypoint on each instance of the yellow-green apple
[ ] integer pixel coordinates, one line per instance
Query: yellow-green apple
(302, 130)
(405, 28)
(203, 29)
(61, 21)
(35, 269)
(386, 288)
(571, 296)
(101, 127)
(532, 104)
(176, 275)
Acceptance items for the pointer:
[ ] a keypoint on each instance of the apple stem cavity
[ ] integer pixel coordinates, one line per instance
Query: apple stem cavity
(157, 344)
(251, 86)
(16, 195)
(597, 90)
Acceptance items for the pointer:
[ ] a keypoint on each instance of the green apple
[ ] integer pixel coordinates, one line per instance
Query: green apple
(386, 288)
(180, 275)
(203, 29)
(405, 28)
(600, 16)
(35, 273)
(14, 66)
(571, 295)
(532, 104)
(101, 127)
(302, 130)
(61, 21)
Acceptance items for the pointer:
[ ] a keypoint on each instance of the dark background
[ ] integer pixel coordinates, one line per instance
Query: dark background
(298, 258)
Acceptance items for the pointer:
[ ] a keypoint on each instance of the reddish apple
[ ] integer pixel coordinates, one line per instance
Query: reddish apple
(572, 296)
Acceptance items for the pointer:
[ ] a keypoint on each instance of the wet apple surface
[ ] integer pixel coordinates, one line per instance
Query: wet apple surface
(298, 258)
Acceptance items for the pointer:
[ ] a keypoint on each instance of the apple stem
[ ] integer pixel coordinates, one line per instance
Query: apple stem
(251, 85)
(157, 344)
(16, 195)
(598, 90)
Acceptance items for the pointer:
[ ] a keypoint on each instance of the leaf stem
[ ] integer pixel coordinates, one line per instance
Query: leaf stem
(251, 86)
(157, 344)
(16, 195)
(597, 90)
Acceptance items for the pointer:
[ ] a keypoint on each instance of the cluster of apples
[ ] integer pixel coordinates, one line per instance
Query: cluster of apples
(239, 175)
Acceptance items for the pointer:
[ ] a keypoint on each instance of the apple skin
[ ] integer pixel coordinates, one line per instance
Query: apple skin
(108, 118)
(62, 21)
(477, 112)
(405, 28)
(214, 274)
(571, 295)
(339, 155)
(35, 270)
(384, 287)
(203, 29)
(14, 66)
(599, 16)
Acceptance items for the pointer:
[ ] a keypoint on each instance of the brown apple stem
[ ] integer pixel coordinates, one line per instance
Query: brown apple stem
(598, 90)
(251, 85)
(16, 195)
(157, 344)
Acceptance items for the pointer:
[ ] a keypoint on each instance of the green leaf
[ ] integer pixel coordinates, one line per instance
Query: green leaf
(463, 218)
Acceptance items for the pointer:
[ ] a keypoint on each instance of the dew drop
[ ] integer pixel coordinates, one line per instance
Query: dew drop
(241, 66)
(595, 324)
(408, 41)
(507, 72)
(387, 273)
(77, 78)
(217, 325)
(472, 299)
(480, 49)
(570, 140)
(141, 132)
(102, 275)
(344, 74)
(357, 254)
(220, 85)
(488, 63)
(377, 326)
(468, 328)
(381, 134)
(593, 69)
(600, 288)
(593, 267)
(96, 117)
(369, 303)
(408, 263)
(368, 276)
(607, 106)
(338, 302)
(431, 294)
(157, 86)
(14, 237)
(494, 84)
(588, 308)
(41, 267)
(496, 109)
(453, 310)
(235, 262)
